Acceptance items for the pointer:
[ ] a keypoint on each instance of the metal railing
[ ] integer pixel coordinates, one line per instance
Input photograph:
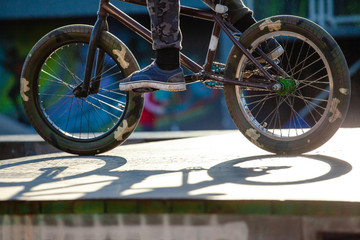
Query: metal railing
(322, 12)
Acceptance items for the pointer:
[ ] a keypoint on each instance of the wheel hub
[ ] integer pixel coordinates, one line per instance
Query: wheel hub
(288, 84)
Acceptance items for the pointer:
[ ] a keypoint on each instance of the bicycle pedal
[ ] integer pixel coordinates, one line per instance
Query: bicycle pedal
(213, 84)
(218, 68)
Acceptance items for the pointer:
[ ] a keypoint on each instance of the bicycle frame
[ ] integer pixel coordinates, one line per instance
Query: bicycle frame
(200, 73)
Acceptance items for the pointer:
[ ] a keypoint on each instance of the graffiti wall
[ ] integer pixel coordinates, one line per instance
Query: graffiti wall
(198, 108)
(16, 40)
(12, 54)
(195, 109)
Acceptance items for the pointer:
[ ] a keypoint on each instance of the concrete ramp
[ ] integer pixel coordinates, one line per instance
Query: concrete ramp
(216, 186)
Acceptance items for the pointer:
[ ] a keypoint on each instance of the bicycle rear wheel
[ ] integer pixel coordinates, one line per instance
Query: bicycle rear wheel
(316, 94)
(81, 125)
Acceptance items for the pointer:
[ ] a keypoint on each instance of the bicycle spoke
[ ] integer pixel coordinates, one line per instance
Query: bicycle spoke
(51, 68)
(117, 82)
(256, 95)
(298, 58)
(98, 116)
(311, 83)
(307, 66)
(310, 102)
(74, 125)
(109, 69)
(263, 104)
(103, 110)
(315, 87)
(60, 106)
(278, 117)
(107, 104)
(121, 103)
(65, 110)
(58, 79)
(278, 105)
(287, 56)
(315, 99)
(270, 124)
(258, 101)
(302, 63)
(79, 53)
(81, 115)
(100, 105)
(85, 115)
(68, 118)
(297, 115)
(292, 119)
(309, 109)
(63, 64)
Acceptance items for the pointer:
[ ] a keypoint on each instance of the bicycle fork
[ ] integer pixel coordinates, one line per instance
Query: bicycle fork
(92, 85)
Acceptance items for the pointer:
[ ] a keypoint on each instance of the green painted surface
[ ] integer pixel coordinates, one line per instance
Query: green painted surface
(151, 206)
(57, 207)
(154, 206)
(187, 207)
(113, 206)
(89, 207)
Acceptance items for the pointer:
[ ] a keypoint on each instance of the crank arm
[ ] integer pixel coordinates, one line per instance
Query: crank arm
(275, 87)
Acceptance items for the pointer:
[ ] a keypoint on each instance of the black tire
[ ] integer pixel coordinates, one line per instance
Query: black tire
(84, 126)
(299, 120)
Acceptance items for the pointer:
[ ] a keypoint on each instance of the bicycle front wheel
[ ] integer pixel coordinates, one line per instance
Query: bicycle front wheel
(316, 95)
(81, 125)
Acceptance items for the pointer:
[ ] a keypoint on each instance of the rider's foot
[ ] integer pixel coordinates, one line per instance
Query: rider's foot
(153, 77)
(271, 48)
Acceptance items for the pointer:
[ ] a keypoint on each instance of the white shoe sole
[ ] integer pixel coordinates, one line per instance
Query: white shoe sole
(173, 87)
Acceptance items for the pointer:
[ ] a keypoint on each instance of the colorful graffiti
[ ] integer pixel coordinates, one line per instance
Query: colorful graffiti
(197, 108)
(11, 64)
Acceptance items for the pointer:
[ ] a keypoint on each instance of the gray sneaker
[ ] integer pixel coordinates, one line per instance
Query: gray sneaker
(153, 78)
(271, 48)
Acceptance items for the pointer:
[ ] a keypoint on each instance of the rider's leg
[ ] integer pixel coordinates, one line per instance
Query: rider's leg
(237, 10)
(242, 18)
(165, 72)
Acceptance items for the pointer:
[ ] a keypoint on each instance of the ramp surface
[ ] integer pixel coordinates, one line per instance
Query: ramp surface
(195, 172)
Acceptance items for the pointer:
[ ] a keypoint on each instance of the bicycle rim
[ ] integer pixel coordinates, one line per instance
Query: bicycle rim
(295, 114)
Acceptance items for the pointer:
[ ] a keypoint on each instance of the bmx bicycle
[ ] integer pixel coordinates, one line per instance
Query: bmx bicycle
(290, 105)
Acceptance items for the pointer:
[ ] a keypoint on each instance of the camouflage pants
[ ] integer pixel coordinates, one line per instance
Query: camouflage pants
(164, 15)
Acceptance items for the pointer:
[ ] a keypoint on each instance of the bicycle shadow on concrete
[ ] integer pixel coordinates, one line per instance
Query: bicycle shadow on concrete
(103, 176)
(49, 170)
(289, 170)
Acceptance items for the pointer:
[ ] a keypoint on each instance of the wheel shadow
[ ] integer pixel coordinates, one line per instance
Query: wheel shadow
(241, 170)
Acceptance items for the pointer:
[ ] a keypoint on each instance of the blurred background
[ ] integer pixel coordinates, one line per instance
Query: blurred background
(24, 22)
